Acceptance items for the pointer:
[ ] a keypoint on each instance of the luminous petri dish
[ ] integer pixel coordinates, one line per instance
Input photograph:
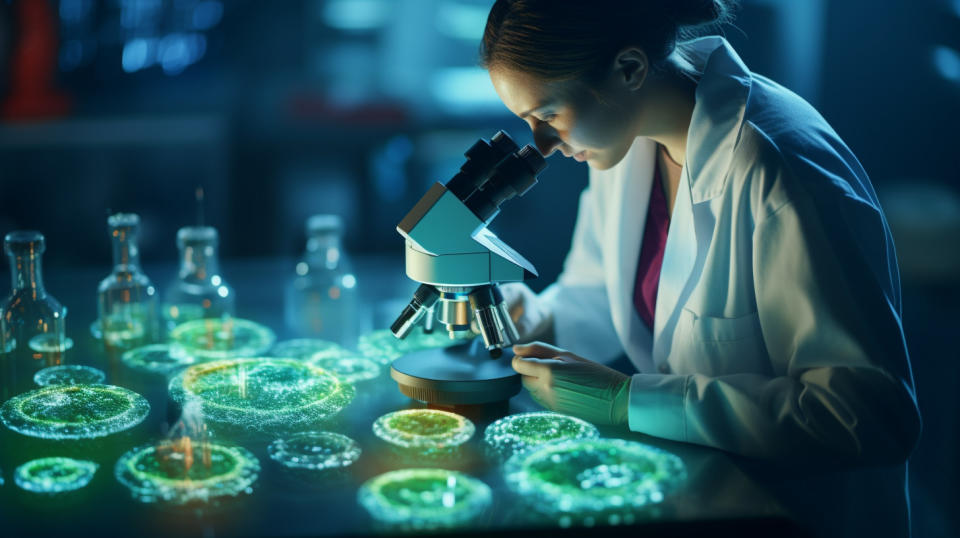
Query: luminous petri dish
(384, 347)
(261, 393)
(522, 431)
(592, 476)
(350, 369)
(69, 374)
(179, 473)
(424, 428)
(74, 411)
(54, 475)
(155, 359)
(424, 498)
(303, 348)
(210, 339)
(315, 451)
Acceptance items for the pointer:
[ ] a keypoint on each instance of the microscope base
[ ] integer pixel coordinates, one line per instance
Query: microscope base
(457, 375)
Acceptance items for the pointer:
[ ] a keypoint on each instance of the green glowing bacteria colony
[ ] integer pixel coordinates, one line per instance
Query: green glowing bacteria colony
(54, 475)
(351, 369)
(209, 339)
(74, 411)
(69, 374)
(304, 348)
(522, 431)
(261, 393)
(203, 472)
(593, 476)
(423, 429)
(424, 498)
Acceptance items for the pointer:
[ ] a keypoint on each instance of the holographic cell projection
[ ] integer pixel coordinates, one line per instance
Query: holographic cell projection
(69, 374)
(424, 498)
(155, 359)
(594, 477)
(520, 432)
(315, 451)
(179, 471)
(220, 338)
(424, 429)
(304, 348)
(74, 411)
(261, 393)
(54, 475)
(384, 347)
(351, 369)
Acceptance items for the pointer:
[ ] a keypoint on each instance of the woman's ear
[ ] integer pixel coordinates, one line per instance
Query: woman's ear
(631, 67)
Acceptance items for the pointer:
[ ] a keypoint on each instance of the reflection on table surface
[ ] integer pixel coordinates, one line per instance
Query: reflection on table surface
(289, 500)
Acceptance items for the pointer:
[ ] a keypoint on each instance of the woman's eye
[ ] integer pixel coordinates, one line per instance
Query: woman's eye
(548, 118)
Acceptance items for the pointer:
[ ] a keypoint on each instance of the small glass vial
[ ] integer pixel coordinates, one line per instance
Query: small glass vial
(127, 299)
(32, 334)
(198, 291)
(321, 300)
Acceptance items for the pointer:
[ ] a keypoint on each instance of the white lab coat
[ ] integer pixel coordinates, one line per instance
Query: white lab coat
(777, 330)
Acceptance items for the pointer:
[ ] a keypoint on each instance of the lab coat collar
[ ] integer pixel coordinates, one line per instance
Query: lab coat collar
(721, 102)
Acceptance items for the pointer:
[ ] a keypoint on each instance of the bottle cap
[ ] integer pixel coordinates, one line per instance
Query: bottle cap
(21, 241)
(189, 235)
(321, 224)
(123, 220)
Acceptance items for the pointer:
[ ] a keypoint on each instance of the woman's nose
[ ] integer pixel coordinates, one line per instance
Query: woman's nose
(545, 138)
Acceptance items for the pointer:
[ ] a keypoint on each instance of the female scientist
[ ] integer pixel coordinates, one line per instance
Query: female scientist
(728, 242)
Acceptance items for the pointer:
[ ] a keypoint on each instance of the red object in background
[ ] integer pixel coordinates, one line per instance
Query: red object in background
(33, 64)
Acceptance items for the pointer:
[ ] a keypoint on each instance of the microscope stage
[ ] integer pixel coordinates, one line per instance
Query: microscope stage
(458, 375)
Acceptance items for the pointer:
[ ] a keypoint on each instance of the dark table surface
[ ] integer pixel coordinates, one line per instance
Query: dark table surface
(717, 495)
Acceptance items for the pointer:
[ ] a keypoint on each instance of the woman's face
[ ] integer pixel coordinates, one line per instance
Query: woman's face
(570, 116)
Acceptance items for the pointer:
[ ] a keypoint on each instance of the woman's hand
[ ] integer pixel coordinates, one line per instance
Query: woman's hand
(567, 383)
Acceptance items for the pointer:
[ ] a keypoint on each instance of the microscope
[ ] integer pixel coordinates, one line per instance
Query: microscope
(460, 263)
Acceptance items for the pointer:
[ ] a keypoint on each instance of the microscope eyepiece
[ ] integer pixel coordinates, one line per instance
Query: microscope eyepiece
(482, 160)
(514, 176)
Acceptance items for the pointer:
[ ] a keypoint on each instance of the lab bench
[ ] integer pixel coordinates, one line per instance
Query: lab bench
(717, 496)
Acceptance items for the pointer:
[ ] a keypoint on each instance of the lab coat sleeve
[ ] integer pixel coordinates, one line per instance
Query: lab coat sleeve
(578, 299)
(841, 391)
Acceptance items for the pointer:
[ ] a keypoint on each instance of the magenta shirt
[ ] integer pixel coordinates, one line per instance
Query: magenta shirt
(651, 252)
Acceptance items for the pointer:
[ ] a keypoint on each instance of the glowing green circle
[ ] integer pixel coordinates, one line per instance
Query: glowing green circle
(74, 411)
(261, 393)
(207, 339)
(315, 451)
(304, 348)
(522, 431)
(54, 475)
(348, 368)
(593, 475)
(384, 347)
(424, 498)
(155, 359)
(69, 374)
(424, 428)
(161, 473)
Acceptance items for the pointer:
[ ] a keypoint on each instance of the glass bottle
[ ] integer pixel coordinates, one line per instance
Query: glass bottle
(198, 291)
(126, 299)
(32, 334)
(321, 300)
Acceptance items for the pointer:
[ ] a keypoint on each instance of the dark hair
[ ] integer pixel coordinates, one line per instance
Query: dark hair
(577, 39)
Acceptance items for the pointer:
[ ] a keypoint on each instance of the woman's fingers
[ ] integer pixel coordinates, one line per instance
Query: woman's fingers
(538, 349)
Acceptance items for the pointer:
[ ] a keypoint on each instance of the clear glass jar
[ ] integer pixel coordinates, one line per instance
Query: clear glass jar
(199, 291)
(127, 299)
(32, 322)
(321, 300)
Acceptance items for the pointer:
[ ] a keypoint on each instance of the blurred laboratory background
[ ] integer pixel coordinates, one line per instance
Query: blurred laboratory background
(282, 110)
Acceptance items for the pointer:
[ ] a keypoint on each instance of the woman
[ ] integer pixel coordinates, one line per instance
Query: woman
(729, 242)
